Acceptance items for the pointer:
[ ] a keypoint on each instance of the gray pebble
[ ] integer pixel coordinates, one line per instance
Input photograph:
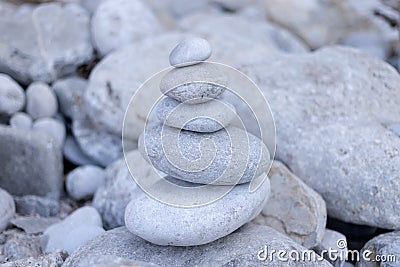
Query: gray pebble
(40, 101)
(21, 120)
(190, 52)
(34, 224)
(164, 224)
(80, 226)
(205, 117)
(12, 96)
(74, 154)
(7, 209)
(36, 205)
(194, 84)
(238, 158)
(52, 127)
(83, 182)
(70, 92)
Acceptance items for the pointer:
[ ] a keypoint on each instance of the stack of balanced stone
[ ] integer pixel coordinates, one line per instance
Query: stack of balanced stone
(191, 115)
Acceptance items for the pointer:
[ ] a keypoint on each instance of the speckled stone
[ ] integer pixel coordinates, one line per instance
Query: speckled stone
(190, 51)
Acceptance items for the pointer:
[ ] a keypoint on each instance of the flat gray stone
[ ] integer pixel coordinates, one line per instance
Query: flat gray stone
(31, 163)
(36, 205)
(207, 117)
(178, 154)
(79, 227)
(166, 225)
(73, 153)
(40, 52)
(104, 148)
(70, 92)
(83, 181)
(12, 96)
(51, 127)
(55, 259)
(34, 224)
(21, 120)
(7, 209)
(293, 208)
(343, 151)
(118, 23)
(237, 249)
(384, 246)
(194, 84)
(40, 101)
(190, 51)
(118, 189)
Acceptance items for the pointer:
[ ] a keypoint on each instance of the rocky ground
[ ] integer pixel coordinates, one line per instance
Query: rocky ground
(68, 69)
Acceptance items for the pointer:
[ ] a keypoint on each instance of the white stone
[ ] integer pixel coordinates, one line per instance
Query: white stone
(190, 51)
(73, 153)
(21, 120)
(83, 181)
(51, 127)
(7, 209)
(12, 96)
(40, 101)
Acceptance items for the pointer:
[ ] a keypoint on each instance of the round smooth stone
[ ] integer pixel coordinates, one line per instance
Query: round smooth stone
(52, 127)
(194, 84)
(21, 120)
(226, 157)
(41, 101)
(206, 117)
(164, 224)
(189, 52)
(73, 153)
(83, 182)
(12, 96)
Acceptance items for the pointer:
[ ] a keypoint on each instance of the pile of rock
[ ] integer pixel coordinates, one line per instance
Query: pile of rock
(189, 114)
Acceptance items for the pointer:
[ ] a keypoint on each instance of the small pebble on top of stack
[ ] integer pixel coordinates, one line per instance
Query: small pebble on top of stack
(192, 111)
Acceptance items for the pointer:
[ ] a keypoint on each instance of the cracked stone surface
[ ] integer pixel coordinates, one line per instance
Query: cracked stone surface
(331, 110)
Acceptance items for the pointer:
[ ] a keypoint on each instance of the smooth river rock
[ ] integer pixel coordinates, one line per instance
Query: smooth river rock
(237, 249)
(332, 109)
(31, 163)
(238, 157)
(40, 52)
(52, 128)
(21, 120)
(12, 96)
(194, 84)
(190, 51)
(83, 181)
(7, 209)
(293, 208)
(40, 101)
(207, 117)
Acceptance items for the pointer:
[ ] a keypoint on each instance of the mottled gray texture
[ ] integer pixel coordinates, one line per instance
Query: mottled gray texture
(79, 227)
(113, 261)
(73, 153)
(237, 249)
(55, 259)
(206, 117)
(382, 245)
(331, 109)
(40, 101)
(112, 198)
(34, 224)
(190, 51)
(70, 92)
(333, 241)
(163, 224)
(293, 208)
(83, 181)
(52, 128)
(12, 96)
(16, 245)
(194, 84)
(21, 120)
(31, 163)
(100, 146)
(120, 22)
(178, 153)
(7, 209)
(52, 40)
(36, 205)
